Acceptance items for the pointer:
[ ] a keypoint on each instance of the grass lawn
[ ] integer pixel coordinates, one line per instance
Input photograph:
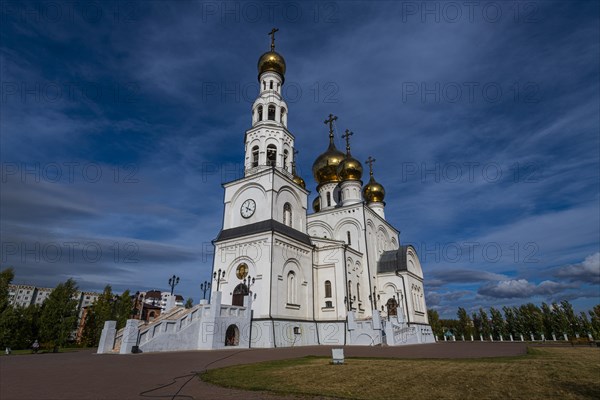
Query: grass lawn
(28, 351)
(544, 373)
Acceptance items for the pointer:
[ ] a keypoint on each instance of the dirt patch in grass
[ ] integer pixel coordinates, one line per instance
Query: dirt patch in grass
(557, 373)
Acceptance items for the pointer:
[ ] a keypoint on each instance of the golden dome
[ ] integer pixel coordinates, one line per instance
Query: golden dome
(316, 204)
(373, 192)
(299, 181)
(271, 61)
(350, 169)
(325, 166)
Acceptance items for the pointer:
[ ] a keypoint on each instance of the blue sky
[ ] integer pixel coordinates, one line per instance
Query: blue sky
(120, 120)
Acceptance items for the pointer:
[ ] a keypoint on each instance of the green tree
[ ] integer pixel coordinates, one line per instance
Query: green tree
(465, 324)
(9, 322)
(511, 321)
(434, 322)
(123, 307)
(59, 315)
(560, 321)
(476, 325)
(6, 277)
(89, 336)
(548, 320)
(107, 307)
(189, 303)
(498, 324)
(573, 327)
(531, 320)
(486, 327)
(585, 324)
(595, 321)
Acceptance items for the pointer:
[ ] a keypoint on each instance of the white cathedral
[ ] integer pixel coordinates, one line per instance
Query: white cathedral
(284, 277)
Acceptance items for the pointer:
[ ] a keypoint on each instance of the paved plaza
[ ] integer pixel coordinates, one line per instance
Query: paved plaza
(85, 375)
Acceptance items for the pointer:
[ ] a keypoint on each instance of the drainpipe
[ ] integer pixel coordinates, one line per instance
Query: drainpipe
(367, 255)
(271, 275)
(405, 297)
(313, 291)
(347, 294)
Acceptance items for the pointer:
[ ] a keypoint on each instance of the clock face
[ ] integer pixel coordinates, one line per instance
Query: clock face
(248, 208)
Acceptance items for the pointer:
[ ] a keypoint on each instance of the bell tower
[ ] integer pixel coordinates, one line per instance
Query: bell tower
(268, 142)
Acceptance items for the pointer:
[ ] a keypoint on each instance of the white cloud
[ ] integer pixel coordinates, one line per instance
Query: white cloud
(588, 271)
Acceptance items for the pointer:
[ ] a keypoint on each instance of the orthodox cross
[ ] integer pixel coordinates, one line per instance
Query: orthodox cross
(347, 137)
(272, 34)
(330, 122)
(370, 161)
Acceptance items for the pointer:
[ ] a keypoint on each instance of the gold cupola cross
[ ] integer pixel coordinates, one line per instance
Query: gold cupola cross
(347, 137)
(272, 34)
(330, 122)
(370, 161)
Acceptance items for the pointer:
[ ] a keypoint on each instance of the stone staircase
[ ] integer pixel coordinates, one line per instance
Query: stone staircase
(174, 313)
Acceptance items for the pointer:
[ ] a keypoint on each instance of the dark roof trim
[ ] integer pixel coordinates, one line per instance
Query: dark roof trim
(269, 225)
(393, 260)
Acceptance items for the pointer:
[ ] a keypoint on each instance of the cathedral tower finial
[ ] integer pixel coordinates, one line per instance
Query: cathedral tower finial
(347, 137)
(330, 122)
(272, 34)
(370, 161)
(325, 166)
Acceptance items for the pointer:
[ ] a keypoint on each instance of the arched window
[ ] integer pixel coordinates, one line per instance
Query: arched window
(239, 293)
(328, 199)
(285, 158)
(271, 155)
(255, 156)
(291, 288)
(271, 85)
(358, 291)
(392, 306)
(264, 85)
(260, 113)
(349, 238)
(282, 113)
(287, 214)
(271, 115)
(327, 288)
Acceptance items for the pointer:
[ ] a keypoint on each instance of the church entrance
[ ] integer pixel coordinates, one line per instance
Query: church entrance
(392, 307)
(239, 293)
(232, 336)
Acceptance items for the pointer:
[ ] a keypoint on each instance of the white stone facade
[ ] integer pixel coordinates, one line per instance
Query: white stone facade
(284, 277)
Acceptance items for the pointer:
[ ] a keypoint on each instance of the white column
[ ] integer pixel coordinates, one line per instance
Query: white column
(351, 192)
(378, 208)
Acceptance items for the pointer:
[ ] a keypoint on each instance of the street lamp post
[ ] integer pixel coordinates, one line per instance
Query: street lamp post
(217, 276)
(248, 282)
(204, 287)
(173, 281)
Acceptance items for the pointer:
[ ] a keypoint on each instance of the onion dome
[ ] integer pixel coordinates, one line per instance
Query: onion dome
(271, 60)
(317, 204)
(296, 178)
(350, 169)
(325, 166)
(299, 181)
(373, 192)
